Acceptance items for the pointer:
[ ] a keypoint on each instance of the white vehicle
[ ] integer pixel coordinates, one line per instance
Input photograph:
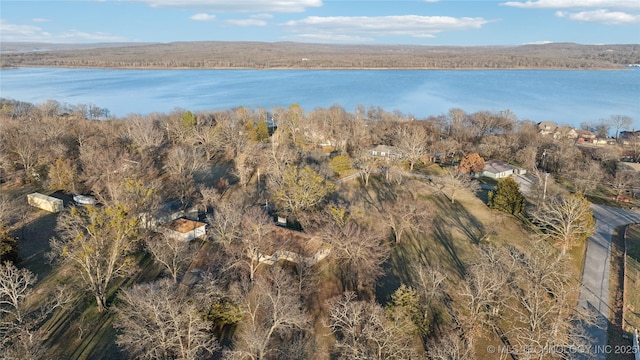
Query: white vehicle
(84, 200)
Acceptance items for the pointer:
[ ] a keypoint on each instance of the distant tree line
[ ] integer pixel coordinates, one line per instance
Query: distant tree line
(292, 55)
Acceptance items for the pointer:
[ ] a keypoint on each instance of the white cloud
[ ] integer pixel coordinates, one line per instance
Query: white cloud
(30, 33)
(367, 27)
(611, 12)
(261, 16)
(541, 42)
(203, 17)
(569, 4)
(13, 32)
(247, 22)
(332, 38)
(79, 36)
(284, 6)
(39, 20)
(601, 16)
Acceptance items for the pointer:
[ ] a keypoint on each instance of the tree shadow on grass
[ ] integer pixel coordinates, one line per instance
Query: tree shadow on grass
(33, 243)
(459, 218)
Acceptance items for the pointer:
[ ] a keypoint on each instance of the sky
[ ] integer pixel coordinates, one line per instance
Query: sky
(419, 22)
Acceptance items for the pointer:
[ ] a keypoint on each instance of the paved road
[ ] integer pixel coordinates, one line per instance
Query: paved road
(594, 293)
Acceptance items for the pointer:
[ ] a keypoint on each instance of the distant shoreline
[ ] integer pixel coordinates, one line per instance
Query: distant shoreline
(620, 68)
(302, 56)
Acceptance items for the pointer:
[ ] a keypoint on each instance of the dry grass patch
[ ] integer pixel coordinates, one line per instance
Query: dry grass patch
(632, 284)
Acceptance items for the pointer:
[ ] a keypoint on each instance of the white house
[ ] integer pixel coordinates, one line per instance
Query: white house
(547, 127)
(184, 229)
(498, 169)
(385, 151)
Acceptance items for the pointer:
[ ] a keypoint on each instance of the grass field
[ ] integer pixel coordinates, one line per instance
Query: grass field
(452, 245)
(632, 289)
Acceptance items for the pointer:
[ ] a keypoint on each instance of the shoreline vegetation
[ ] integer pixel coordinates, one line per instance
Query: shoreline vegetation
(287, 55)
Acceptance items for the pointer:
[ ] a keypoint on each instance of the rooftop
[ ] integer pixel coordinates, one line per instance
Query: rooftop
(296, 241)
(184, 225)
(497, 166)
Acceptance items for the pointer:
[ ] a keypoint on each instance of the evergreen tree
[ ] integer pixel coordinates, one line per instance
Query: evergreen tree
(188, 119)
(507, 197)
(262, 131)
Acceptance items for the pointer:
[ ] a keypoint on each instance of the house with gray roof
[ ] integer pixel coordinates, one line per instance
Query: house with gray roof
(498, 169)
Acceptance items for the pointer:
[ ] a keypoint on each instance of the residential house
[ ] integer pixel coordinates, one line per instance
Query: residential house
(565, 132)
(386, 151)
(184, 229)
(585, 136)
(629, 134)
(629, 137)
(547, 127)
(168, 212)
(296, 247)
(498, 169)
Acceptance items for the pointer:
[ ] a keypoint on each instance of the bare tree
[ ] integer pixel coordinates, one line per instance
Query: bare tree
(21, 336)
(226, 223)
(429, 283)
(620, 122)
(454, 181)
(484, 298)
(411, 140)
(97, 242)
(367, 166)
(174, 255)
(404, 214)
(586, 176)
(15, 285)
(359, 251)
(544, 311)
(565, 220)
(363, 331)
(254, 243)
(145, 133)
(624, 180)
(160, 321)
(25, 148)
(181, 164)
(273, 313)
(245, 164)
(451, 346)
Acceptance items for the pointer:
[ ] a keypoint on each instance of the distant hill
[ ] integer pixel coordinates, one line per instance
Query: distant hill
(318, 56)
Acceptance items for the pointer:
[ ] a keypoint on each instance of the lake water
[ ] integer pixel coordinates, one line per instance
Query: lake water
(569, 97)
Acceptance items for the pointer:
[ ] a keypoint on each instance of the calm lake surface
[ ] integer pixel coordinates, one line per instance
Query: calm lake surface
(571, 96)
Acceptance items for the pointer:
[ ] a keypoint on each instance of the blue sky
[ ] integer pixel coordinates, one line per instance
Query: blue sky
(426, 22)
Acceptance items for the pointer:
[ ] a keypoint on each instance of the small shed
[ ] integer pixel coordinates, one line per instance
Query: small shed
(184, 229)
(497, 169)
(44, 202)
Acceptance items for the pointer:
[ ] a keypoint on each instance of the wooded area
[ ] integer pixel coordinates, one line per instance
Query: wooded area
(285, 55)
(329, 234)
